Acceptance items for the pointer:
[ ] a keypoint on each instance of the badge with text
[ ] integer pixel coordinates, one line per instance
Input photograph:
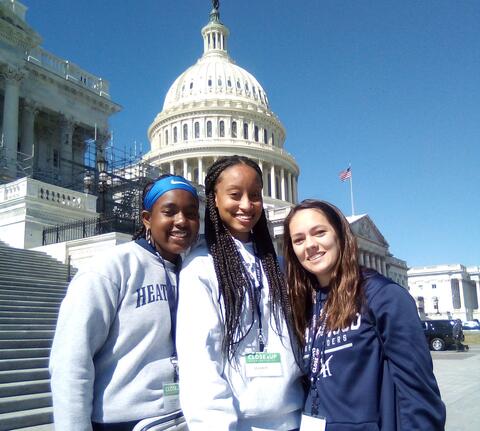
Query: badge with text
(171, 394)
(263, 364)
(310, 423)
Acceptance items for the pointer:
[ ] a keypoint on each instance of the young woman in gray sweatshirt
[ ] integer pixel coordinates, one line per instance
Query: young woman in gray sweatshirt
(113, 359)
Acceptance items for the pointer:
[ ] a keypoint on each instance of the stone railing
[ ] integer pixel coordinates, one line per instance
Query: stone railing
(68, 71)
(47, 194)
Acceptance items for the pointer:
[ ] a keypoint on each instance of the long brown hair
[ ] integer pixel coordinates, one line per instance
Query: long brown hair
(345, 296)
(231, 274)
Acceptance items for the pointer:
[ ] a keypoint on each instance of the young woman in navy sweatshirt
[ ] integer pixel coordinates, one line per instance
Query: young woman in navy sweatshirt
(365, 354)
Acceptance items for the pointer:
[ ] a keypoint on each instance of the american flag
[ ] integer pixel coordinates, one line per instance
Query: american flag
(346, 174)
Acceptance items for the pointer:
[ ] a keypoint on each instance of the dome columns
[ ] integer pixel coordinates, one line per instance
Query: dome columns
(279, 183)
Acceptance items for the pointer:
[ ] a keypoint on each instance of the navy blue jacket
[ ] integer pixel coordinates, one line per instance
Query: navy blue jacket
(360, 391)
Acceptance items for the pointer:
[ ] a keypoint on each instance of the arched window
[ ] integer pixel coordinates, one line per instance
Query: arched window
(265, 136)
(245, 130)
(238, 85)
(191, 85)
(197, 130)
(185, 132)
(234, 129)
(166, 137)
(209, 129)
(222, 129)
(246, 87)
(214, 41)
(273, 139)
(229, 82)
(255, 133)
(219, 82)
(209, 82)
(175, 134)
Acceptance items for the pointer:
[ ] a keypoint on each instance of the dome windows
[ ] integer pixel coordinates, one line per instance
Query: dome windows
(209, 82)
(255, 133)
(238, 85)
(229, 82)
(209, 129)
(175, 135)
(185, 132)
(166, 137)
(196, 127)
(219, 82)
(245, 130)
(222, 129)
(191, 85)
(234, 129)
(265, 136)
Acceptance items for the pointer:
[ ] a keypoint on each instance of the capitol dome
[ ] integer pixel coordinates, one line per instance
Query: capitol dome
(215, 75)
(216, 108)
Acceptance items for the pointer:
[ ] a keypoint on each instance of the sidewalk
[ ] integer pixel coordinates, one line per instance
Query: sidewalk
(458, 375)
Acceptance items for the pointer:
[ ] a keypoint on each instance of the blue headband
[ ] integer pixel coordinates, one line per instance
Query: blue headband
(164, 185)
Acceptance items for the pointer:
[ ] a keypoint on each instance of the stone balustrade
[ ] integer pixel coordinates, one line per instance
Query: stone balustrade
(67, 70)
(47, 194)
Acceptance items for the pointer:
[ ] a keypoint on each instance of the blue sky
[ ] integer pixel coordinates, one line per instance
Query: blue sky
(391, 87)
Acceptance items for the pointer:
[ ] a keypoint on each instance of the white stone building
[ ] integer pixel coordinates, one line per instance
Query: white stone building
(446, 291)
(216, 108)
(50, 107)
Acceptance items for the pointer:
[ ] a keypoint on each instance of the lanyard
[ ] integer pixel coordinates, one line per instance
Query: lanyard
(172, 299)
(256, 293)
(317, 328)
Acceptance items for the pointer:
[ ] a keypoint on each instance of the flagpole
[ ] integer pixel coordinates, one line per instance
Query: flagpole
(351, 189)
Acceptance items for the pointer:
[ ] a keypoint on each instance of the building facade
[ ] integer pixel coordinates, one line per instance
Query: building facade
(52, 112)
(446, 291)
(50, 107)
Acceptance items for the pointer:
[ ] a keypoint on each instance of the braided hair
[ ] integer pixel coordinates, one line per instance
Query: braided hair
(142, 231)
(231, 273)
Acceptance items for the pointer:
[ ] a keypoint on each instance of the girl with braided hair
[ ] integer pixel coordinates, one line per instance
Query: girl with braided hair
(238, 370)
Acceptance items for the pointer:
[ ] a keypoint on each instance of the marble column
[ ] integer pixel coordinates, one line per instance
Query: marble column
(13, 76)
(66, 150)
(289, 187)
(185, 169)
(200, 172)
(29, 112)
(294, 189)
(273, 182)
(171, 168)
(384, 268)
(282, 184)
(360, 258)
(367, 260)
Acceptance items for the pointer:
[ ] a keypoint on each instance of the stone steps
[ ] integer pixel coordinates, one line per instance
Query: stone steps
(32, 286)
(21, 419)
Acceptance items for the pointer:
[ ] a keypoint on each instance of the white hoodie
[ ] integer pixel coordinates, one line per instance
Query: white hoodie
(217, 395)
(112, 346)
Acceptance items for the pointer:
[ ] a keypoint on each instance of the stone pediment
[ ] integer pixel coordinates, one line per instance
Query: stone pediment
(363, 227)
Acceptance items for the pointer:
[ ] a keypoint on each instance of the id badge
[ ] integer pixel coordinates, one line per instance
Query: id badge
(263, 364)
(171, 399)
(310, 423)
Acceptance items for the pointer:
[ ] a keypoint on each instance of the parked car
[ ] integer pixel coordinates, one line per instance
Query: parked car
(471, 324)
(438, 333)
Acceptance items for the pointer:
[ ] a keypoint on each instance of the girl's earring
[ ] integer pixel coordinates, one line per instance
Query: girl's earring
(148, 235)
